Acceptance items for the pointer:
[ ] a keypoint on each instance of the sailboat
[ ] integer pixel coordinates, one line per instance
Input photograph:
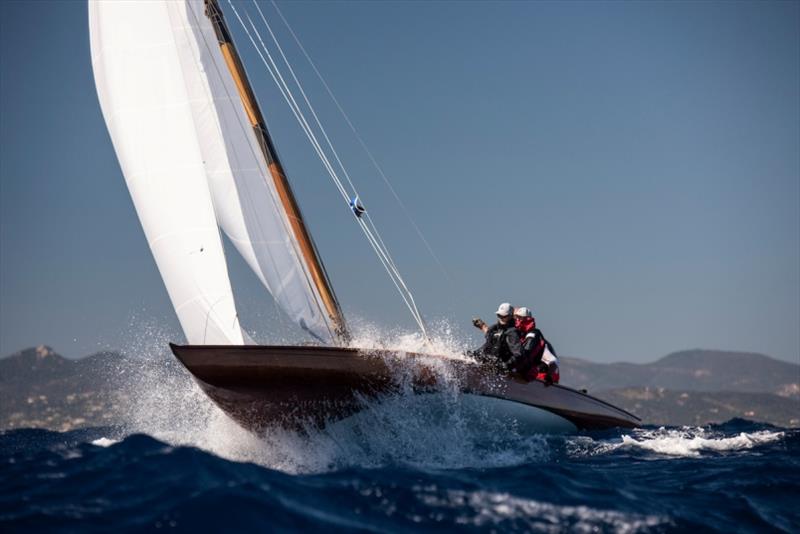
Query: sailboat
(198, 160)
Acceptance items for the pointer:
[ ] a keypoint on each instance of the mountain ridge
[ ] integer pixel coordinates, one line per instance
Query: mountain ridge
(41, 389)
(693, 370)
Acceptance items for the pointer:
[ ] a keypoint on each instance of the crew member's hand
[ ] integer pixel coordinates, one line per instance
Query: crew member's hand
(479, 324)
(548, 373)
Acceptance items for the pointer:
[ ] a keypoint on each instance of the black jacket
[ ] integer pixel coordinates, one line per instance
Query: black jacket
(502, 343)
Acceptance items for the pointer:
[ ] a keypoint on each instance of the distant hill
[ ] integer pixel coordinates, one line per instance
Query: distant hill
(690, 370)
(41, 389)
(40, 362)
(658, 406)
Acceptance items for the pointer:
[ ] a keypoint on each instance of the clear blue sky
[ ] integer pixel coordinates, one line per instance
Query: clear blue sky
(629, 170)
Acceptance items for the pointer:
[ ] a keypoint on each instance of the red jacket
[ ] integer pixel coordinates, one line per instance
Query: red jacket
(533, 348)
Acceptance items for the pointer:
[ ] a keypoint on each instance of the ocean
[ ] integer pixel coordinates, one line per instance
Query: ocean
(405, 463)
(734, 477)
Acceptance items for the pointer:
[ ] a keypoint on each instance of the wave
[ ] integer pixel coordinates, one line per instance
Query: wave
(491, 509)
(139, 482)
(682, 442)
(693, 442)
(80, 481)
(104, 442)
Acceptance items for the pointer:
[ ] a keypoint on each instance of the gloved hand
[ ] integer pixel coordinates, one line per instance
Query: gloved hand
(477, 322)
(548, 375)
(544, 369)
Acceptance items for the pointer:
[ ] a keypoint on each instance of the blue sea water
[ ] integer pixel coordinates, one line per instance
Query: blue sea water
(738, 476)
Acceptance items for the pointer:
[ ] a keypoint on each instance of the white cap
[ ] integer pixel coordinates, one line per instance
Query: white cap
(522, 311)
(505, 309)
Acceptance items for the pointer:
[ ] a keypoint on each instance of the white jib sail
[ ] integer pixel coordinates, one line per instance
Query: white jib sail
(145, 99)
(247, 204)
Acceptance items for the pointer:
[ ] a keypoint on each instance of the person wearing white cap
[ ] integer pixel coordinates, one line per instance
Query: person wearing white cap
(538, 360)
(502, 339)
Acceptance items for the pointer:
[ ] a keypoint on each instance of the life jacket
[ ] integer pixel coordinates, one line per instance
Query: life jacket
(542, 352)
(541, 344)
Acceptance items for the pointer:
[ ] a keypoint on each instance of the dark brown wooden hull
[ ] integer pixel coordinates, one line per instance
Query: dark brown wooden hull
(260, 386)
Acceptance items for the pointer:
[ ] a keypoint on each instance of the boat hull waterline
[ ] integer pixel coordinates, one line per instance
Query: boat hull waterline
(263, 385)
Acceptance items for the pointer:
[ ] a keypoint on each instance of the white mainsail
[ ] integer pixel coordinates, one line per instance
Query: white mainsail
(191, 161)
(146, 106)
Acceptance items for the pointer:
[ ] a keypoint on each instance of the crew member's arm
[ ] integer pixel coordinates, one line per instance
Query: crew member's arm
(487, 342)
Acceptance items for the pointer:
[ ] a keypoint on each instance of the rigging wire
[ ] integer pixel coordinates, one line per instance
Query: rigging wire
(290, 100)
(305, 97)
(379, 247)
(310, 107)
(368, 227)
(371, 225)
(361, 141)
(377, 244)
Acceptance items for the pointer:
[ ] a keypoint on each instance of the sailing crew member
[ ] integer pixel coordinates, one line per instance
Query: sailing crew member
(502, 343)
(538, 360)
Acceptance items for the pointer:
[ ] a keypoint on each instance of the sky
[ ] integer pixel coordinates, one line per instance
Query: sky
(630, 171)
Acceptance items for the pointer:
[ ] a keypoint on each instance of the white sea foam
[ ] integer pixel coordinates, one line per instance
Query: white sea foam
(445, 342)
(104, 442)
(437, 430)
(683, 442)
(694, 442)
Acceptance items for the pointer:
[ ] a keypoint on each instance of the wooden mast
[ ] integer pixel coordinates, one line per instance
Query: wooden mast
(307, 248)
